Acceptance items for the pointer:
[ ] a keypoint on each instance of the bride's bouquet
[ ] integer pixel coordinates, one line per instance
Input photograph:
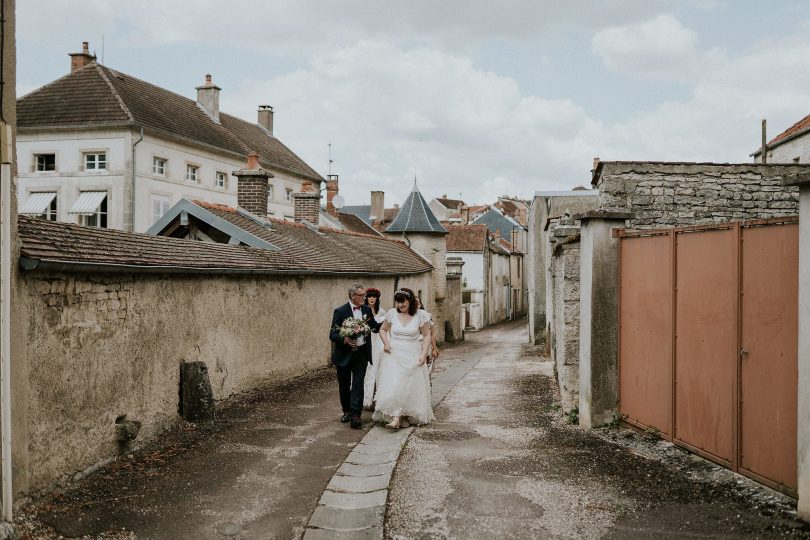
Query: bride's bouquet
(354, 329)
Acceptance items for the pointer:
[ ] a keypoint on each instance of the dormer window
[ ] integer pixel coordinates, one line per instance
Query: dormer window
(95, 161)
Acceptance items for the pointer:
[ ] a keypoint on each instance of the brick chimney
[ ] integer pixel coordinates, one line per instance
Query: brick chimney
(377, 206)
(307, 205)
(80, 59)
(251, 187)
(208, 98)
(331, 191)
(266, 117)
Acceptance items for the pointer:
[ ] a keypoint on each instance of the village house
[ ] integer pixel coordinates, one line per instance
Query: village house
(447, 210)
(102, 148)
(790, 146)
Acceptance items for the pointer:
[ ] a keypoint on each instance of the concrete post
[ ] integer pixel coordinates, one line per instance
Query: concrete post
(803, 416)
(599, 326)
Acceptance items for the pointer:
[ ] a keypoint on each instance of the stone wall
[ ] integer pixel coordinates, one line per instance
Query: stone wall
(677, 194)
(101, 346)
(565, 317)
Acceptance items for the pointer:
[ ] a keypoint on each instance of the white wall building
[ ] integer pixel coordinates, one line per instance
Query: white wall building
(790, 146)
(88, 141)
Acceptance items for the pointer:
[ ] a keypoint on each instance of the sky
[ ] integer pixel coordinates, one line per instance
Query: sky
(475, 99)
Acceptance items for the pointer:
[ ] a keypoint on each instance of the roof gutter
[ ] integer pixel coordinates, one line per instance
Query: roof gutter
(30, 264)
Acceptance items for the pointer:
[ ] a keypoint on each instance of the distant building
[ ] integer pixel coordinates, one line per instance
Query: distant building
(790, 146)
(449, 210)
(99, 147)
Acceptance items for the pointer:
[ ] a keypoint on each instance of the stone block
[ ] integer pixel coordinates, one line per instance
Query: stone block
(354, 501)
(337, 519)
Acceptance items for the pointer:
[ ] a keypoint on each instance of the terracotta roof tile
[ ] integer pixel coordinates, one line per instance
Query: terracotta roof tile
(466, 237)
(797, 128)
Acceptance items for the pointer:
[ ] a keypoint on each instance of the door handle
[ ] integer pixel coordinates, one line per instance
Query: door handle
(743, 352)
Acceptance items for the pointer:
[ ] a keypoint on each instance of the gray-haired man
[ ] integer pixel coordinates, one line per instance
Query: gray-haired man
(350, 357)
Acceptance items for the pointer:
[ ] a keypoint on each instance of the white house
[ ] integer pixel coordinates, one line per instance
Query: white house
(790, 146)
(97, 147)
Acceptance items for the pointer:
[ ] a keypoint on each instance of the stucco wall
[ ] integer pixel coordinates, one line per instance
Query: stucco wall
(674, 194)
(545, 205)
(100, 346)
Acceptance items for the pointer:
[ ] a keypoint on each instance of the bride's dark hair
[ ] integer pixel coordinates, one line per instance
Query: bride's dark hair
(406, 294)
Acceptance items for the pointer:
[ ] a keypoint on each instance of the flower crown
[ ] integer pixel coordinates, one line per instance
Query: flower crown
(406, 294)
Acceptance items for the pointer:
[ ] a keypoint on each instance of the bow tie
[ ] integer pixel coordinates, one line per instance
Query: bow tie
(355, 308)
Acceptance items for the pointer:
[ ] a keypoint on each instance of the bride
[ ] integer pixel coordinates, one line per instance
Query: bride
(403, 391)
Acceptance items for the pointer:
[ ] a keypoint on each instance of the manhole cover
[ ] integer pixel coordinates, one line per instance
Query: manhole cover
(446, 435)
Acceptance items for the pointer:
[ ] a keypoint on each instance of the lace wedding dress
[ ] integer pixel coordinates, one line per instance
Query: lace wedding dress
(403, 386)
(370, 381)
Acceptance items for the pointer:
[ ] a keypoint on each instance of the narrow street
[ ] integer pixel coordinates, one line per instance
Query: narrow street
(500, 461)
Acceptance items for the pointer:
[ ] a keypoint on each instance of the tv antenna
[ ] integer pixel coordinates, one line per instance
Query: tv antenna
(330, 158)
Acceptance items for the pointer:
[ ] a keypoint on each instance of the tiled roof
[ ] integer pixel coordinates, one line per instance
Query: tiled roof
(466, 237)
(415, 216)
(497, 222)
(53, 242)
(326, 249)
(302, 250)
(355, 224)
(451, 204)
(99, 96)
(799, 127)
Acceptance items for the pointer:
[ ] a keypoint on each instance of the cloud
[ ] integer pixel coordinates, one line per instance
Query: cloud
(392, 113)
(659, 48)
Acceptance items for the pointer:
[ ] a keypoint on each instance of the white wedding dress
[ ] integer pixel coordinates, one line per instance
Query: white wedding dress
(403, 386)
(372, 371)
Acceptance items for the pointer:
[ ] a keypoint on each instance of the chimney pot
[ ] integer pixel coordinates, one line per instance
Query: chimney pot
(80, 59)
(208, 98)
(252, 186)
(332, 188)
(253, 161)
(266, 117)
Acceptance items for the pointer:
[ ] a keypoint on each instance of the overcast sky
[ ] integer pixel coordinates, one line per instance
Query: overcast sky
(475, 98)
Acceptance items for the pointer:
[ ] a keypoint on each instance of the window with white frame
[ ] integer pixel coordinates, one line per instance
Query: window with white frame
(271, 193)
(45, 162)
(192, 173)
(95, 161)
(221, 180)
(97, 218)
(159, 166)
(288, 194)
(160, 205)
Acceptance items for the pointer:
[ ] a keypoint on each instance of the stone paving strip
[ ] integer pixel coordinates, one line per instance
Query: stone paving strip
(353, 504)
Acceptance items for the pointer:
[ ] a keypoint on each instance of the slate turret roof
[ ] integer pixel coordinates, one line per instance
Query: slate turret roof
(97, 96)
(415, 216)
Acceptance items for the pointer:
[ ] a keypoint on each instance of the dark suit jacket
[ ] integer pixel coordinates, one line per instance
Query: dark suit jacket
(343, 354)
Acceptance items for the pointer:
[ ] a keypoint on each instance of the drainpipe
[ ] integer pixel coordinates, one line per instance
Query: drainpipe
(134, 170)
(5, 329)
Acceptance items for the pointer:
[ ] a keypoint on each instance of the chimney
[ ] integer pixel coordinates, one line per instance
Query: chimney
(84, 58)
(266, 117)
(208, 98)
(514, 239)
(465, 215)
(307, 205)
(251, 187)
(377, 205)
(595, 163)
(331, 192)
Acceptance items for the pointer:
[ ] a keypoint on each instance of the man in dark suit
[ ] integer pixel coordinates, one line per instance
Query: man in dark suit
(350, 357)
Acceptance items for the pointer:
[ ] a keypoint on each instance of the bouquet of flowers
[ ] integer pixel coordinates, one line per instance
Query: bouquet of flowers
(354, 329)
